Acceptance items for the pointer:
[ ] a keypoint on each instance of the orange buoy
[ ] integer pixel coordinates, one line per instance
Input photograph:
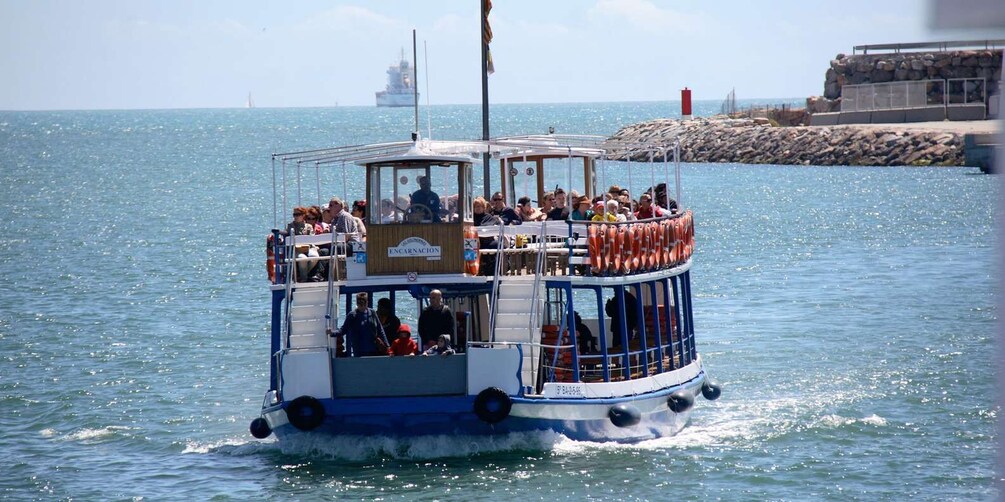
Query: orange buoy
(596, 248)
(643, 248)
(689, 236)
(618, 238)
(613, 250)
(270, 260)
(472, 266)
(654, 245)
(656, 253)
(658, 229)
(625, 238)
(665, 225)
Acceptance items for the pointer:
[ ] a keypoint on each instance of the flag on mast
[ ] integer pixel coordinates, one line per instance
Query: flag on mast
(487, 38)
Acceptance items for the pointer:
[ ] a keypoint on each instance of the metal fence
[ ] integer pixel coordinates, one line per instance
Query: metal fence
(913, 94)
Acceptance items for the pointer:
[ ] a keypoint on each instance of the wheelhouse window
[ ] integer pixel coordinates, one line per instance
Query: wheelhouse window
(419, 192)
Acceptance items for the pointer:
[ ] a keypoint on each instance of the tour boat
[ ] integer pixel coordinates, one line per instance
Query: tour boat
(522, 362)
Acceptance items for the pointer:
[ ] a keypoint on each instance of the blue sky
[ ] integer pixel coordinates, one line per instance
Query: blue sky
(125, 54)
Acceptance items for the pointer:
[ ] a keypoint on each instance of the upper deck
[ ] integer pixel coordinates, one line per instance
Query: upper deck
(422, 222)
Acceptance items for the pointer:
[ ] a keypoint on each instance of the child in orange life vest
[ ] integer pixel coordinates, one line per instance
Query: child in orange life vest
(403, 345)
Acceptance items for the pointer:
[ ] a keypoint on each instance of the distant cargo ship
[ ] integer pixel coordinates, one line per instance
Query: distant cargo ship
(400, 89)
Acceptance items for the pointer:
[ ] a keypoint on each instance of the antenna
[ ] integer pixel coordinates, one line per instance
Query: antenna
(429, 114)
(415, 82)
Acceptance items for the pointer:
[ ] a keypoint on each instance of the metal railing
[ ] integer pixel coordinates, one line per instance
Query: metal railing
(935, 93)
(940, 46)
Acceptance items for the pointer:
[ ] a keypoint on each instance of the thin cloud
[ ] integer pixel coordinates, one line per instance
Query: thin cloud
(348, 18)
(644, 15)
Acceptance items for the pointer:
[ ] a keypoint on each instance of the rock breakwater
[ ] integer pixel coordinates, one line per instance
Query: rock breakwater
(755, 141)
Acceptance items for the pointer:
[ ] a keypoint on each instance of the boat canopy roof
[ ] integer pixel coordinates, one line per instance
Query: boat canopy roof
(440, 151)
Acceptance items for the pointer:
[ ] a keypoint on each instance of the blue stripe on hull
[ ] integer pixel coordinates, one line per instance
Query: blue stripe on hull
(659, 424)
(454, 416)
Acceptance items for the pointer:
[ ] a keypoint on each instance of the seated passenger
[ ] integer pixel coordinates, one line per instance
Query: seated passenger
(342, 222)
(614, 208)
(647, 209)
(299, 224)
(663, 200)
(359, 214)
(387, 213)
(560, 212)
(403, 345)
(505, 213)
(425, 202)
(315, 217)
(600, 212)
(487, 261)
(527, 211)
(548, 203)
(442, 347)
(582, 210)
(450, 213)
(625, 209)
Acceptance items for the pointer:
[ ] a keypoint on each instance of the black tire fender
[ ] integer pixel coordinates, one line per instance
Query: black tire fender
(492, 405)
(680, 401)
(305, 413)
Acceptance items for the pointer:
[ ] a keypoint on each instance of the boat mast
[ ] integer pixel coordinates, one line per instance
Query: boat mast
(415, 86)
(485, 93)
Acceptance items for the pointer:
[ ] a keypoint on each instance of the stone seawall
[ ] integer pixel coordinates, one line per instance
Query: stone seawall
(908, 66)
(755, 141)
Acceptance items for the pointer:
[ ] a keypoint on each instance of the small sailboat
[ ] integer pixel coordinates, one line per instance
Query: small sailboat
(251, 102)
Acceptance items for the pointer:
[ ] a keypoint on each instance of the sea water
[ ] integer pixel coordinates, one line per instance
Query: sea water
(848, 313)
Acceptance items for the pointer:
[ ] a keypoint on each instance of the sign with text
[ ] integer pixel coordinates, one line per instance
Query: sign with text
(414, 247)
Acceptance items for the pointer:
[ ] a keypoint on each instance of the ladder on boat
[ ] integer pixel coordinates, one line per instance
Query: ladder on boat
(307, 322)
(517, 315)
(515, 322)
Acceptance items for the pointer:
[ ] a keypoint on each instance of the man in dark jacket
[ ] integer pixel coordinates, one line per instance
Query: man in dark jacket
(631, 317)
(363, 333)
(504, 212)
(435, 320)
(426, 201)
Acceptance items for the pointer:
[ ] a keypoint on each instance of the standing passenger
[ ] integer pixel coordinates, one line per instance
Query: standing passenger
(385, 315)
(362, 331)
(435, 319)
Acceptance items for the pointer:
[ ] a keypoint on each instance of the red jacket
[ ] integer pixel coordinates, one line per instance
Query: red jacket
(402, 347)
(653, 212)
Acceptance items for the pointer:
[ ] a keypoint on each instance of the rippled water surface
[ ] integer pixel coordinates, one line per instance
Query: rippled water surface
(848, 312)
